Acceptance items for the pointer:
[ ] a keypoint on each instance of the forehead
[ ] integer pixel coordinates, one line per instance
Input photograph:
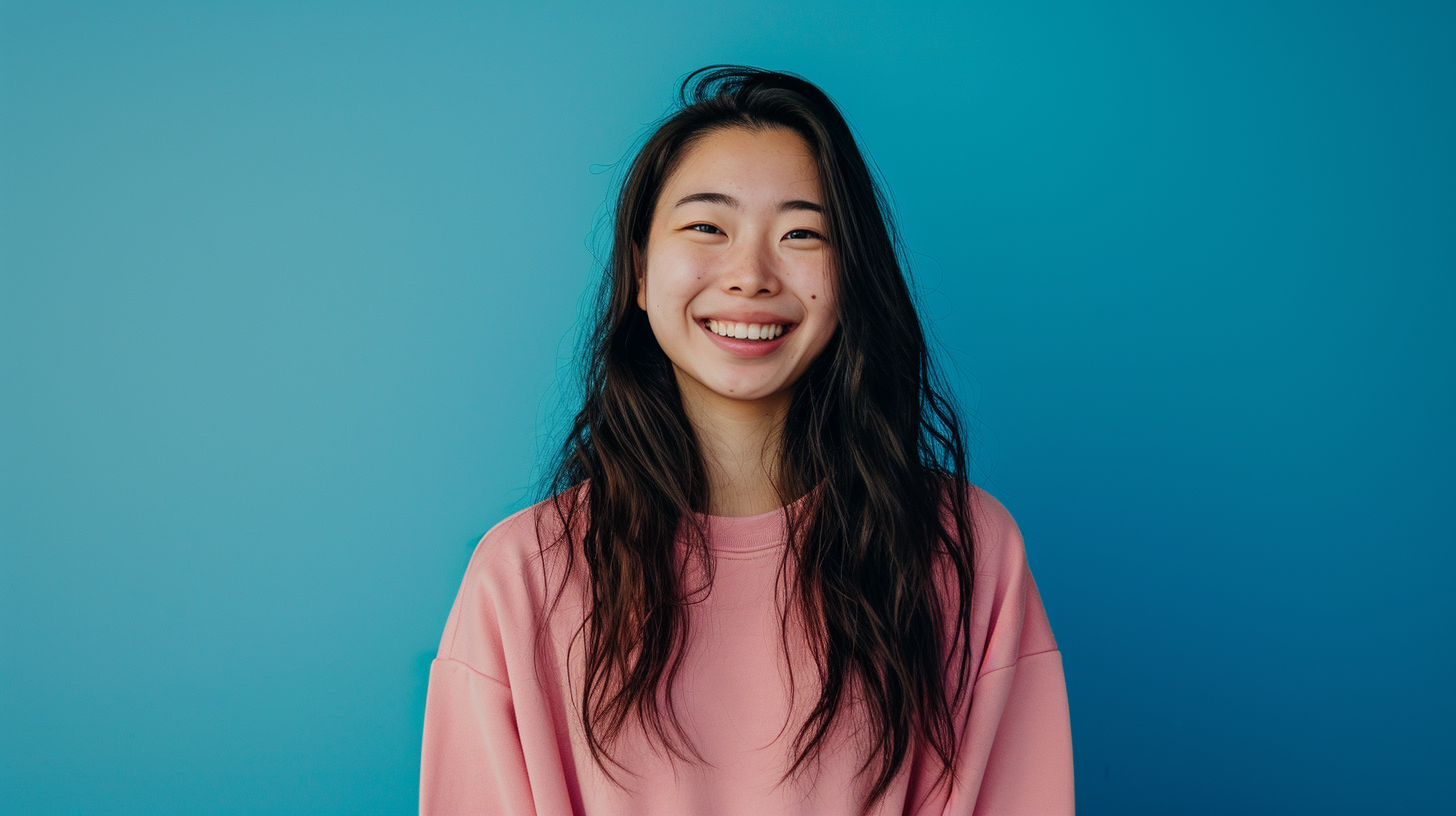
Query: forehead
(758, 167)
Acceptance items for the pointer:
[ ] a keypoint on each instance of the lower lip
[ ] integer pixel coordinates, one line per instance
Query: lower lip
(748, 348)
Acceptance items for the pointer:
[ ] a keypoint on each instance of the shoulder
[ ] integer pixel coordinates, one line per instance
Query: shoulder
(1007, 617)
(990, 514)
(995, 537)
(1005, 592)
(508, 542)
(504, 587)
(519, 539)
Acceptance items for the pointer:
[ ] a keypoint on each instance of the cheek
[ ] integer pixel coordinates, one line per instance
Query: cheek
(822, 291)
(675, 278)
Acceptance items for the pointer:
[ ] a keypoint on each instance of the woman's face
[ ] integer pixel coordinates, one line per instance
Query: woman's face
(738, 282)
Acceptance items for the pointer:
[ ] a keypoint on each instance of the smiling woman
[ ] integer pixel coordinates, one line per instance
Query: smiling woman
(759, 581)
(738, 284)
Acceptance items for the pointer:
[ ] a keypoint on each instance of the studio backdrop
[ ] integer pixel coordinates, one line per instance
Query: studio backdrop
(289, 299)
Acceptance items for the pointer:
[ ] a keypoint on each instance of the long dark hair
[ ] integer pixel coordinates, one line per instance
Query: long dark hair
(881, 547)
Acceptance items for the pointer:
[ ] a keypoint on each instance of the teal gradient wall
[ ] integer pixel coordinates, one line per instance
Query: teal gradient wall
(287, 293)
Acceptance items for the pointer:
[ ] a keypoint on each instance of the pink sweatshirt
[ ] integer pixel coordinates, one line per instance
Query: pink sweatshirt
(499, 738)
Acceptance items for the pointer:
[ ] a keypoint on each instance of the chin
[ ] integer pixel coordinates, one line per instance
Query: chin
(727, 386)
(747, 393)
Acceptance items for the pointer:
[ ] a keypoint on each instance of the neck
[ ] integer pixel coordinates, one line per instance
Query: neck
(740, 442)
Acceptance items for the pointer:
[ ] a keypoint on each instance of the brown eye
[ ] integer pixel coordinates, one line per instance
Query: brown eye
(803, 235)
(708, 226)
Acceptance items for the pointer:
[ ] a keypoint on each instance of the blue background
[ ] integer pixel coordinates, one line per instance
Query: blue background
(288, 293)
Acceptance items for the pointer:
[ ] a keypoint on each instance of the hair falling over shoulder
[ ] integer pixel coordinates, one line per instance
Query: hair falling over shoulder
(871, 431)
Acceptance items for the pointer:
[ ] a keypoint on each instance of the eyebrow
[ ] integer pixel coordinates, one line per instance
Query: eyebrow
(729, 201)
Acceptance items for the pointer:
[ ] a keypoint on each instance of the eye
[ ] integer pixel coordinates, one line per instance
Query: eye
(803, 235)
(706, 230)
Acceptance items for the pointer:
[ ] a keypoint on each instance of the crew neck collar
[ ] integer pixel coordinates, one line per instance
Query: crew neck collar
(750, 533)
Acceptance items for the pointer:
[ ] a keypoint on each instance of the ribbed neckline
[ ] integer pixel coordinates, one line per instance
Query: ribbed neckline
(741, 534)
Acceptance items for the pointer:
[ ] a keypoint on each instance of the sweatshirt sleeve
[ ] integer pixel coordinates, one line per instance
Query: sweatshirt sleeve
(472, 757)
(1019, 738)
(1023, 711)
(472, 760)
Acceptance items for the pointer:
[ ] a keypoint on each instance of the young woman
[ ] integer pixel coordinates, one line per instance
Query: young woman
(761, 582)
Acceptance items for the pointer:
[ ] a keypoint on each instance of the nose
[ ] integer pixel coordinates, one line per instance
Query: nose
(751, 272)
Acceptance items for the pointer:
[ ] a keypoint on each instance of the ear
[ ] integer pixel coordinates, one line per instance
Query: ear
(641, 278)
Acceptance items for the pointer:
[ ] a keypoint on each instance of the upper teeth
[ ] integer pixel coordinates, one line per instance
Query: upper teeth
(746, 331)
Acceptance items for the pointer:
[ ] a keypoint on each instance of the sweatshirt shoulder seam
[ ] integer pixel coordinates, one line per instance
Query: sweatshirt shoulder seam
(475, 671)
(1019, 658)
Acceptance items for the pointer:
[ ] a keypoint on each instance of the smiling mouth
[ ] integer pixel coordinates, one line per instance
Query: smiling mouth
(747, 331)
